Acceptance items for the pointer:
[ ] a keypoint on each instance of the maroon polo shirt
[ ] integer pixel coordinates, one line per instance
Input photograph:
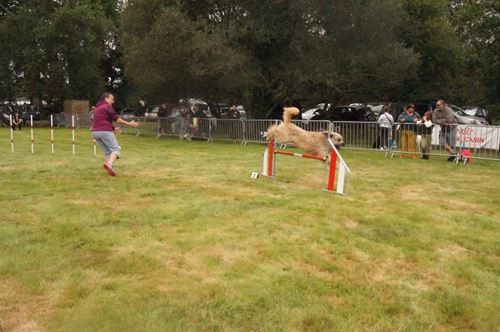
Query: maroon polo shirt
(104, 115)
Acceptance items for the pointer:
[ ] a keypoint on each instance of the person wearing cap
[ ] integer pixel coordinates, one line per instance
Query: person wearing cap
(103, 131)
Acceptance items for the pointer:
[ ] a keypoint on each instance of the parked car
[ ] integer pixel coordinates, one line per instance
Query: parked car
(5, 112)
(220, 110)
(394, 108)
(27, 111)
(351, 113)
(203, 107)
(463, 118)
(128, 114)
(316, 112)
(152, 112)
(477, 111)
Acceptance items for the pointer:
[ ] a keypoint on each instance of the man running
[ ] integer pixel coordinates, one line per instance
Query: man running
(103, 130)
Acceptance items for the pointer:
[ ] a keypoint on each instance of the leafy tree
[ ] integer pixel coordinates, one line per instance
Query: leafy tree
(55, 49)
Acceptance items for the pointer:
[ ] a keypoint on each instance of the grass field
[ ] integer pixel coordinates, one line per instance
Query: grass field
(183, 239)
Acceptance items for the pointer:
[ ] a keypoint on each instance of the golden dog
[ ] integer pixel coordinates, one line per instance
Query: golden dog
(310, 142)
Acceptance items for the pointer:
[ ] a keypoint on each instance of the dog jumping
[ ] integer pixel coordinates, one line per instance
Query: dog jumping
(310, 142)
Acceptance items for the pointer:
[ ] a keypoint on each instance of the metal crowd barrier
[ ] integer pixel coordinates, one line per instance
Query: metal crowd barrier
(483, 142)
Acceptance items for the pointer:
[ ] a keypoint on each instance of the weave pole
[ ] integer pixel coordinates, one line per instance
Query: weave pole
(32, 135)
(73, 133)
(11, 134)
(95, 148)
(52, 132)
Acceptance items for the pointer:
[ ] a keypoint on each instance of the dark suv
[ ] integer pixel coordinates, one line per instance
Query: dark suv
(349, 113)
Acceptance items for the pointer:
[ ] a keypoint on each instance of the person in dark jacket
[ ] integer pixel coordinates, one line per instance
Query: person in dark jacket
(162, 119)
(104, 132)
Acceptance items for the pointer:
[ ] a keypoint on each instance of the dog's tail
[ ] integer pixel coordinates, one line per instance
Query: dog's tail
(289, 113)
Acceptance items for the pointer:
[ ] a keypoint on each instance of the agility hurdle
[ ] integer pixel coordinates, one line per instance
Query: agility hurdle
(334, 162)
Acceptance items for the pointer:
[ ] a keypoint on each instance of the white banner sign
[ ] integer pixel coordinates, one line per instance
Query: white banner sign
(475, 137)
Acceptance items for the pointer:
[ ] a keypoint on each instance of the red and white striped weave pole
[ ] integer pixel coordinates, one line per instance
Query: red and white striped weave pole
(11, 134)
(32, 135)
(73, 132)
(52, 132)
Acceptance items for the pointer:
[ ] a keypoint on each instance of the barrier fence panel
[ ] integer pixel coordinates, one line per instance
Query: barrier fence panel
(228, 129)
(357, 135)
(203, 128)
(147, 126)
(483, 142)
(255, 130)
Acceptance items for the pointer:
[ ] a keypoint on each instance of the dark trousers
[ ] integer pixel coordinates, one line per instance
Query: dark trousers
(384, 137)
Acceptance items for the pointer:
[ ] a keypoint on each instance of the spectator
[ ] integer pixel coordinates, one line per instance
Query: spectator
(407, 119)
(444, 117)
(185, 117)
(17, 121)
(162, 119)
(196, 118)
(233, 112)
(385, 121)
(424, 129)
(141, 107)
(103, 130)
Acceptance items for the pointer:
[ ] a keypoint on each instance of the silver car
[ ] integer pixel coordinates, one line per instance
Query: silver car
(464, 118)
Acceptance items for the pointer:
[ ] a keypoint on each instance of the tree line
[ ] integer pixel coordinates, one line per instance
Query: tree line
(252, 52)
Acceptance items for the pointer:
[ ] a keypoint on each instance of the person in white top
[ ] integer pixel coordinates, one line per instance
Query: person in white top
(385, 122)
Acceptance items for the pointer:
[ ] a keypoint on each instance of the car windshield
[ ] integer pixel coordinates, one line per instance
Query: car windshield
(458, 110)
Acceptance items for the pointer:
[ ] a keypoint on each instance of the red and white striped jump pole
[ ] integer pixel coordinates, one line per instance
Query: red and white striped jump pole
(331, 172)
(73, 132)
(343, 171)
(52, 132)
(32, 135)
(11, 134)
(268, 161)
